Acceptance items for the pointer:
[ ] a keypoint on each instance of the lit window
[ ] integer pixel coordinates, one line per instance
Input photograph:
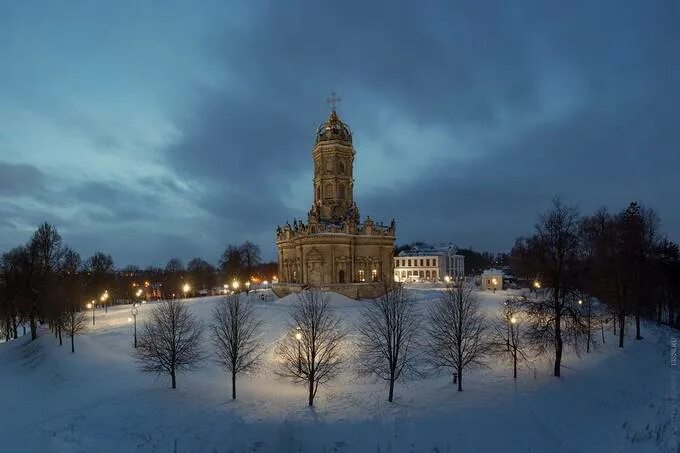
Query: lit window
(374, 275)
(362, 276)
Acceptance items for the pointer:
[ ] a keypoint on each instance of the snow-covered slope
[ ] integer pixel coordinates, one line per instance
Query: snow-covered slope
(611, 400)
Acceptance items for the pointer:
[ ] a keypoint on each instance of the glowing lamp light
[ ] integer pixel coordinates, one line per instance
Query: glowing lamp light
(447, 279)
(235, 284)
(580, 301)
(129, 319)
(89, 305)
(537, 284)
(186, 288)
(513, 320)
(494, 281)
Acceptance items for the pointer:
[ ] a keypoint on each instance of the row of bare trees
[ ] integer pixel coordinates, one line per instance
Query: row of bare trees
(621, 259)
(390, 344)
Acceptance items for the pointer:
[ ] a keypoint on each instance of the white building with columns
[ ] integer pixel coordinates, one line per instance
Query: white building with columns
(429, 264)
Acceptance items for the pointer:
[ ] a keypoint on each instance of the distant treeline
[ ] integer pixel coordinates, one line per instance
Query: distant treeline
(44, 280)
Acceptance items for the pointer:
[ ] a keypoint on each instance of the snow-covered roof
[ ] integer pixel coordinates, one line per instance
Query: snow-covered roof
(493, 271)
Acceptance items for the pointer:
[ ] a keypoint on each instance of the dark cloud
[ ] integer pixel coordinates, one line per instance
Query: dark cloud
(594, 81)
(468, 118)
(19, 179)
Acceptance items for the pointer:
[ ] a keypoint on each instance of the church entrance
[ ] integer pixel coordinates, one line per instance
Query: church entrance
(341, 276)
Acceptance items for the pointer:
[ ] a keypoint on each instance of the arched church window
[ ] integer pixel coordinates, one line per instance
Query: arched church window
(328, 192)
(341, 191)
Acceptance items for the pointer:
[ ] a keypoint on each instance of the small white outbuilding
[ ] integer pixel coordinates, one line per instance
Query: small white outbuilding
(492, 279)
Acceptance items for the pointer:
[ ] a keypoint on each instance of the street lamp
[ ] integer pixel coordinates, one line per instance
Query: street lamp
(580, 302)
(134, 316)
(104, 297)
(235, 284)
(185, 289)
(91, 305)
(298, 337)
(247, 285)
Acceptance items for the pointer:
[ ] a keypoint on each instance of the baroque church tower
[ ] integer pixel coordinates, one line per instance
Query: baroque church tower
(334, 250)
(333, 156)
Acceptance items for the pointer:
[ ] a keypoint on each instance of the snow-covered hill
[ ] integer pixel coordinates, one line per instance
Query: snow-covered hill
(611, 400)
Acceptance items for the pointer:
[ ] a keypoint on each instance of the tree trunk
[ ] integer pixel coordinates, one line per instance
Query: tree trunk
(622, 323)
(460, 379)
(34, 328)
(637, 323)
(59, 331)
(73, 345)
(514, 365)
(311, 393)
(391, 394)
(174, 382)
(558, 335)
(233, 385)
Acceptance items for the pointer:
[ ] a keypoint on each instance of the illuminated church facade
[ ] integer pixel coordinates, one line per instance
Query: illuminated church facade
(334, 250)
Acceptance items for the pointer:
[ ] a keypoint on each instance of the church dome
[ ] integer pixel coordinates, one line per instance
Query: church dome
(333, 129)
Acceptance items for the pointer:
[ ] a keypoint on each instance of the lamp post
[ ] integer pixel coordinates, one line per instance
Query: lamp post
(104, 297)
(494, 282)
(185, 289)
(134, 317)
(298, 337)
(234, 285)
(91, 305)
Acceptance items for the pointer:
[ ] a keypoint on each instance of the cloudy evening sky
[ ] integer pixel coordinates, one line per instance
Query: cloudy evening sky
(157, 129)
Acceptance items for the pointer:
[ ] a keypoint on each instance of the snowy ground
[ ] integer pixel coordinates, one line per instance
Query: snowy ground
(611, 400)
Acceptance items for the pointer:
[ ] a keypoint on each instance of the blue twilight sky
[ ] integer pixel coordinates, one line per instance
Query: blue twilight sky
(157, 129)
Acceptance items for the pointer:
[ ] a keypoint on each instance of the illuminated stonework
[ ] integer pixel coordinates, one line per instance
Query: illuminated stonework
(334, 250)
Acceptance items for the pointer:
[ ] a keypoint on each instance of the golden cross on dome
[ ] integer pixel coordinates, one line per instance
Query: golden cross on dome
(333, 99)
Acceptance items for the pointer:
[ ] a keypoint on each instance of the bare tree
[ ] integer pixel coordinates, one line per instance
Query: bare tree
(507, 337)
(170, 340)
(387, 336)
(456, 332)
(555, 251)
(73, 323)
(235, 336)
(311, 352)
